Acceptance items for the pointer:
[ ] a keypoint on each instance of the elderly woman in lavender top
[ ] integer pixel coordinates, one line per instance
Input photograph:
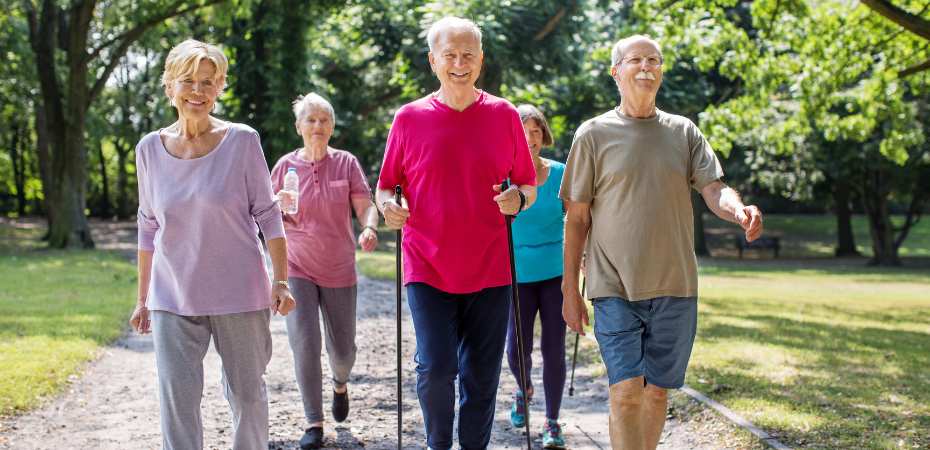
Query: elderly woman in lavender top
(321, 258)
(204, 194)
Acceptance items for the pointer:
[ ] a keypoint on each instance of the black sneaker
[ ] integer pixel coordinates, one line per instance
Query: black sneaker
(313, 438)
(340, 405)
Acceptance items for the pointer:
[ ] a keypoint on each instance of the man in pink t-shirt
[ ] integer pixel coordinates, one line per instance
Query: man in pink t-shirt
(449, 152)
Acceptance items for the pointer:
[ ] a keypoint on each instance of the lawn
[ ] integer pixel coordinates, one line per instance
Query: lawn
(56, 309)
(824, 356)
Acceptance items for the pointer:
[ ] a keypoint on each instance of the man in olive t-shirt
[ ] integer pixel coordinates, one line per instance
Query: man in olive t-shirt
(627, 183)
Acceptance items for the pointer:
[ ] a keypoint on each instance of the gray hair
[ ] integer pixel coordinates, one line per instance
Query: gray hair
(530, 112)
(451, 23)
(616, 55)
(303, 104)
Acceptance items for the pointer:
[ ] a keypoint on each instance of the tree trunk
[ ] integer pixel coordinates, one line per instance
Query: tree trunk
(122, 180)
(491, 78)
(875, 201)
(68, 195)
(104, 206)
(44, 161)
(700, 238)
(846, 243)
(19, 170)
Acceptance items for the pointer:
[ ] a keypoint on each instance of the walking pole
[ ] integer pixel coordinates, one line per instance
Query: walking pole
(571, 386)
(517, 324)
(399, 277)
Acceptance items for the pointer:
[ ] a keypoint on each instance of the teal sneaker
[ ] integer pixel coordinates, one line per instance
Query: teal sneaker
(552, 435)
(518, 411)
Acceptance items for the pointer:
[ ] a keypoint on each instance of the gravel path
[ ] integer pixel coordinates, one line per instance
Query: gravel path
(114, 404)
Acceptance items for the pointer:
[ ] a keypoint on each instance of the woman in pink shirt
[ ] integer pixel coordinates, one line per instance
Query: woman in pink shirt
(203, 196)
(321, 257)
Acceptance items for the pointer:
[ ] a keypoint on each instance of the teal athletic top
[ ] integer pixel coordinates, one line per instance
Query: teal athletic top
(538, 232)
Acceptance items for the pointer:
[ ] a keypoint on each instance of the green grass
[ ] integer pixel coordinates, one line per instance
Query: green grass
(826, 357)
(814, 235)
(56, 309)
(378, 264)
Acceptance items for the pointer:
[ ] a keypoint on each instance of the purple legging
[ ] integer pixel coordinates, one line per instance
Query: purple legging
(544, 297)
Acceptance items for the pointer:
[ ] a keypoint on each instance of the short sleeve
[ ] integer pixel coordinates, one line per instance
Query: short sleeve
(262, 206)
(392, 168)
(578, 178)
(523, 172)
(146, 221)
(358, 185)
(704, 167)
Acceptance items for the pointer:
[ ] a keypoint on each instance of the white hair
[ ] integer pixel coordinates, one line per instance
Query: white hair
(449, 24)
(304, 103)
(616, 55)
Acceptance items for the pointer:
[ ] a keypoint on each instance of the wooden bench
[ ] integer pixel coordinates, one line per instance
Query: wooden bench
(765, 242)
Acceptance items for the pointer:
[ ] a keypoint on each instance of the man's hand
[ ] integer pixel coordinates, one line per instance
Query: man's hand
(574, 310)
(395, 216)
(508, 201)
(750, 218)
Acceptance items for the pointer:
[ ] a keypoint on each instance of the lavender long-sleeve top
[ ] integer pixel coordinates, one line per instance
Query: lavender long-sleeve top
(201, 218)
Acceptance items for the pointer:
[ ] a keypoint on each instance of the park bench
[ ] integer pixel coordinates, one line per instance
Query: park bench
(765, 242)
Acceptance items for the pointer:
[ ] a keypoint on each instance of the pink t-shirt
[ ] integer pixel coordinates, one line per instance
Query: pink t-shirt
(320, 239)
(446, 162)
(201, 218)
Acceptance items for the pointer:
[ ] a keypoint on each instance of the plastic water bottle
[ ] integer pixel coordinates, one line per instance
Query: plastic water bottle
(292, 190)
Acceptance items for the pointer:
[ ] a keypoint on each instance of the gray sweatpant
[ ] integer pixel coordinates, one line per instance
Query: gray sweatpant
(303, 333)
(243, 341)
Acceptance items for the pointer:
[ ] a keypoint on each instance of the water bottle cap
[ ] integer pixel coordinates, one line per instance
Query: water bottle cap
(292, 169)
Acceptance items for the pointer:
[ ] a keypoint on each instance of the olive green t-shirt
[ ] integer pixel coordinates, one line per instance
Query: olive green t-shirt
(637, 175)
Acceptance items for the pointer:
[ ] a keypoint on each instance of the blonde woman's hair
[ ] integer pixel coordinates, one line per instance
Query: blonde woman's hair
(185, 58)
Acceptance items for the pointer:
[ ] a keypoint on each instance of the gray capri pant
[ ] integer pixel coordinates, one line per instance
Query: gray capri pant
(243, 342)
(303, 333)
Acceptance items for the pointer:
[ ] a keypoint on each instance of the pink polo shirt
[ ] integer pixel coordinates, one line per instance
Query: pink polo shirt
(320, 239)
(446, 162)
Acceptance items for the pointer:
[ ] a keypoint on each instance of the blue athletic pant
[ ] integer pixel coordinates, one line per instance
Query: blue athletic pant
(458, 335)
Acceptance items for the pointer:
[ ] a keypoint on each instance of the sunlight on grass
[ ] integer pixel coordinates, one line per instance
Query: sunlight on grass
(824, 358)
(56, 309)
(379, 265)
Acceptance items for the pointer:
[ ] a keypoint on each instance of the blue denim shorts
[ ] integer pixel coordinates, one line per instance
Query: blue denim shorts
(650, 338)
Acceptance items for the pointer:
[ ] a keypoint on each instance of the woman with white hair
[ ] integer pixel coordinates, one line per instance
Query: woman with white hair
(203, 196)
(321, 257)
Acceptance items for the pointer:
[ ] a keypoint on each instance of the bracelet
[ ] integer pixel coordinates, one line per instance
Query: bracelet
(282, 283)
(522, 201)
(369, 227)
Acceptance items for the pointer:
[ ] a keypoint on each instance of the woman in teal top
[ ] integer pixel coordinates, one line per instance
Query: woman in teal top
(537, 238)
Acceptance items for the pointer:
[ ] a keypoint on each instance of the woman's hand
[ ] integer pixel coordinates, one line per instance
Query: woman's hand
(140, 320)
(368, 239)
(282, 302)
(285, 199)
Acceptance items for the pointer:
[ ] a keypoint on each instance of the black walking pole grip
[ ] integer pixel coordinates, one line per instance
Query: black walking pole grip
(399, 277)
(518, 328)
(571, 386)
